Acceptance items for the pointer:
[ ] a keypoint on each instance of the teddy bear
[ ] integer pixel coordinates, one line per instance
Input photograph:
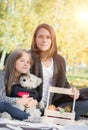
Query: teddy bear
(28, 85)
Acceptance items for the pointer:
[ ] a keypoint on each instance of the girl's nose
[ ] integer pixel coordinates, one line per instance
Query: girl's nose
(25, 63)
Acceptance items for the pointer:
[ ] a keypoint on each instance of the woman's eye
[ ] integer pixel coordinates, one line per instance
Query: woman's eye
(48, 37)
(40, 36)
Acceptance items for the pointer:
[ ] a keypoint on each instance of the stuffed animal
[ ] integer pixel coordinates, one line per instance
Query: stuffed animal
(31, 82)
(28, 85)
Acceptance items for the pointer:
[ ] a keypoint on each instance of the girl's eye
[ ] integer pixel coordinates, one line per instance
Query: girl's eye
(28, 62)
(21, 60)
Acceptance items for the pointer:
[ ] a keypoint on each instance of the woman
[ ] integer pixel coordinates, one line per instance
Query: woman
(17, 63)
(51, 67)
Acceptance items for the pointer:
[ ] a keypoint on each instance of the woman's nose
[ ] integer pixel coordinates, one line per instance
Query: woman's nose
(44, 39)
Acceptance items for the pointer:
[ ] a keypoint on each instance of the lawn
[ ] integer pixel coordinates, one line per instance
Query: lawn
(78, 78)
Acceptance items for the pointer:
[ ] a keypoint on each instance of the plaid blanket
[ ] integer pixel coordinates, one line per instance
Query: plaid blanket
(6, 124)
(25, 127)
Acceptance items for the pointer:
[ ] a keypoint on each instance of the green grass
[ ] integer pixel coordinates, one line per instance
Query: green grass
(78, 78)
(74, 77)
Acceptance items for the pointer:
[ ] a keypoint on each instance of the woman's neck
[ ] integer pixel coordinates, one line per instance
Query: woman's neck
(46, 62)
(43, 55)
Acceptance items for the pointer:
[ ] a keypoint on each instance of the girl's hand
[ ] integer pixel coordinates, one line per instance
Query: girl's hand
(24, 100)
(75, 92)
(25, 96)
(32, 103)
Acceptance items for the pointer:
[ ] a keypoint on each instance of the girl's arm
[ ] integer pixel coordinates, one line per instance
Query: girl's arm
(7, 99)
(3, 96)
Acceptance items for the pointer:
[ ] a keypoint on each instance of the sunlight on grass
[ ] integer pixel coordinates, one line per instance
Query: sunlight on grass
(78, 79)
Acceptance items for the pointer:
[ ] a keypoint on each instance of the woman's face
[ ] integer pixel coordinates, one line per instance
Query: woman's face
(23, 64)
(43, 39)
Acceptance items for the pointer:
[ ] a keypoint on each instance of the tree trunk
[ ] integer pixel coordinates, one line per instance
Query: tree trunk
(2, 59)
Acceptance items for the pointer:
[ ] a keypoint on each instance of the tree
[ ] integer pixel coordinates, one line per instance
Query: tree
(18, 20)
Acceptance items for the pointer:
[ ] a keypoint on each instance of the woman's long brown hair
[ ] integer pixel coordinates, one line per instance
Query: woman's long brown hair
(53, 49)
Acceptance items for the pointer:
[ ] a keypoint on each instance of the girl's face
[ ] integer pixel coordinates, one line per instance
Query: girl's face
(43, 39)
(23, 64)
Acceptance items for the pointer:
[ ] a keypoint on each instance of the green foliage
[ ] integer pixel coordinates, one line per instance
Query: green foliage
(3, 8)
(19, 18)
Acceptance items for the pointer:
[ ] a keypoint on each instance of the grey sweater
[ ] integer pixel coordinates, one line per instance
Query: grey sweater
(3, 96)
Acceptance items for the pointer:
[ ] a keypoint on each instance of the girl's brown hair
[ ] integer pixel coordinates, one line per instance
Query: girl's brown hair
(53, 49)
(10, 67)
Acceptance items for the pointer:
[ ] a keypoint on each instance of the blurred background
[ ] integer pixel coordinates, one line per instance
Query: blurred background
(69, 18)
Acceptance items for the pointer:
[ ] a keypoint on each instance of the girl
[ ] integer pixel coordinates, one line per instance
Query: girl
(13, 111)
(17, 63)
(51, 67)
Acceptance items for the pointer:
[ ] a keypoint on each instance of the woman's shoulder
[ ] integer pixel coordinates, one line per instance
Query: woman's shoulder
(59, 60)
(59, 57)
(34, 55)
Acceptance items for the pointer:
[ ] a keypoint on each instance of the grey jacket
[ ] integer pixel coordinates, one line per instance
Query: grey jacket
(3, 96)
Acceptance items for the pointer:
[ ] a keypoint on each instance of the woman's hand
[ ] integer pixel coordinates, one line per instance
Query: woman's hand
(75, 92)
